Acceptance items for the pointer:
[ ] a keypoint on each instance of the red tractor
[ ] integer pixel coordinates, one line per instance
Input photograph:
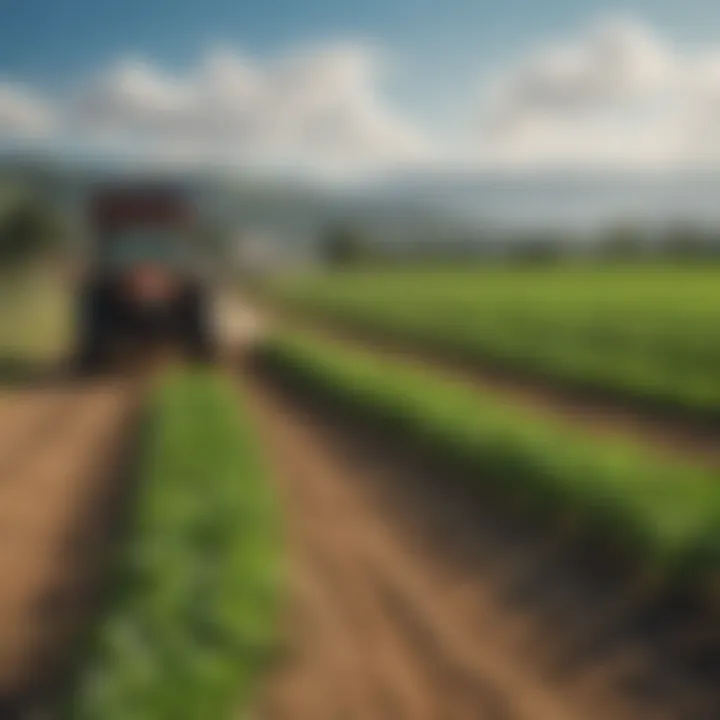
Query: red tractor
(143, 289)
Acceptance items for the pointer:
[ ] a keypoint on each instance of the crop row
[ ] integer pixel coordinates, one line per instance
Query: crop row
(657, 514)
(192, 618)
(649, 334)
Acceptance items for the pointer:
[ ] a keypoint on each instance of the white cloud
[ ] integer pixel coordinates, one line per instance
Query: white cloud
(22, 112)
(320, 108)
(619, 96)
(616, 96)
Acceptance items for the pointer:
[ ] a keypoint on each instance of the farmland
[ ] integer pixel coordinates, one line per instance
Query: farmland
(152, 494)
(647, 334)
(61, 462)
(665, 515)
(451, 556)
(193, 620)
(35, 324)
(318, 528)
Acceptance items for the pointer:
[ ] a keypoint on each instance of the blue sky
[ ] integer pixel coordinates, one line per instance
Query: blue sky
(442, 56)
(437, 44)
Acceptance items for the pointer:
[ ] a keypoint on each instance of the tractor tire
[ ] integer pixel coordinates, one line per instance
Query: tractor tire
(95, 328)
(194, 331)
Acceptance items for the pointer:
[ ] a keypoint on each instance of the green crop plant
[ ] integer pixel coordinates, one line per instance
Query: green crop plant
(191, 620)
(662, 515)
(649, 334)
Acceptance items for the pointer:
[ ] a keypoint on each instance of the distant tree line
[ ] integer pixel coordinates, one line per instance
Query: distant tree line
(350, 245)
(29, 230)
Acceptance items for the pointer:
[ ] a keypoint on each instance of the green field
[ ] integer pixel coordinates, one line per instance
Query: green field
(191, 621)
(648, 333)
(35, 324)
(660, 514)
(191, 617)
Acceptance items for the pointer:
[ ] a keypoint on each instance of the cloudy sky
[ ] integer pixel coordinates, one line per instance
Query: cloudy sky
(338, 87)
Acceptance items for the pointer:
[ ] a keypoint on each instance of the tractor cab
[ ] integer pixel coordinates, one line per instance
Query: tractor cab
(143, 287)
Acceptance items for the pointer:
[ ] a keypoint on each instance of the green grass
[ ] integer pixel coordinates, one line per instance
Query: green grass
(192, 621)
(659, 514)
(649, 333)
(35, 324)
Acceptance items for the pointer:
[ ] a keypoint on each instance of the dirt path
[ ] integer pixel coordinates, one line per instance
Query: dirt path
(405, 603)
(60, 453)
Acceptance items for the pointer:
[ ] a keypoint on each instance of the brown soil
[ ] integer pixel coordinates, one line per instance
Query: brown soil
(60, 449)
(410, 600)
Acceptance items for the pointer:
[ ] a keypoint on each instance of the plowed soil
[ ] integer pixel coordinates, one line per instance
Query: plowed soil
(410, 600)
(61, 449)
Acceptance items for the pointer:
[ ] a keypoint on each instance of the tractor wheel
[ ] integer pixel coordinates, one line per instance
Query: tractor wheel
(95, 328)
(194, 325)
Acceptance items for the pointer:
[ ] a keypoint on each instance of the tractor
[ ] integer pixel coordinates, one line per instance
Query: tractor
(143, 289)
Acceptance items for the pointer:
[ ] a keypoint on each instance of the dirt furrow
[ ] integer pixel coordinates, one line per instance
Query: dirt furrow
(394, 681)
(56, 488)
(411, 639)
(348, 624)
(410, 601)
(27, 419)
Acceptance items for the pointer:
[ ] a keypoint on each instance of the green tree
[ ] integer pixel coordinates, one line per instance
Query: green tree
(539, 249)
(684, 241)
(28, 231)
(624, 241)
(343, 246)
